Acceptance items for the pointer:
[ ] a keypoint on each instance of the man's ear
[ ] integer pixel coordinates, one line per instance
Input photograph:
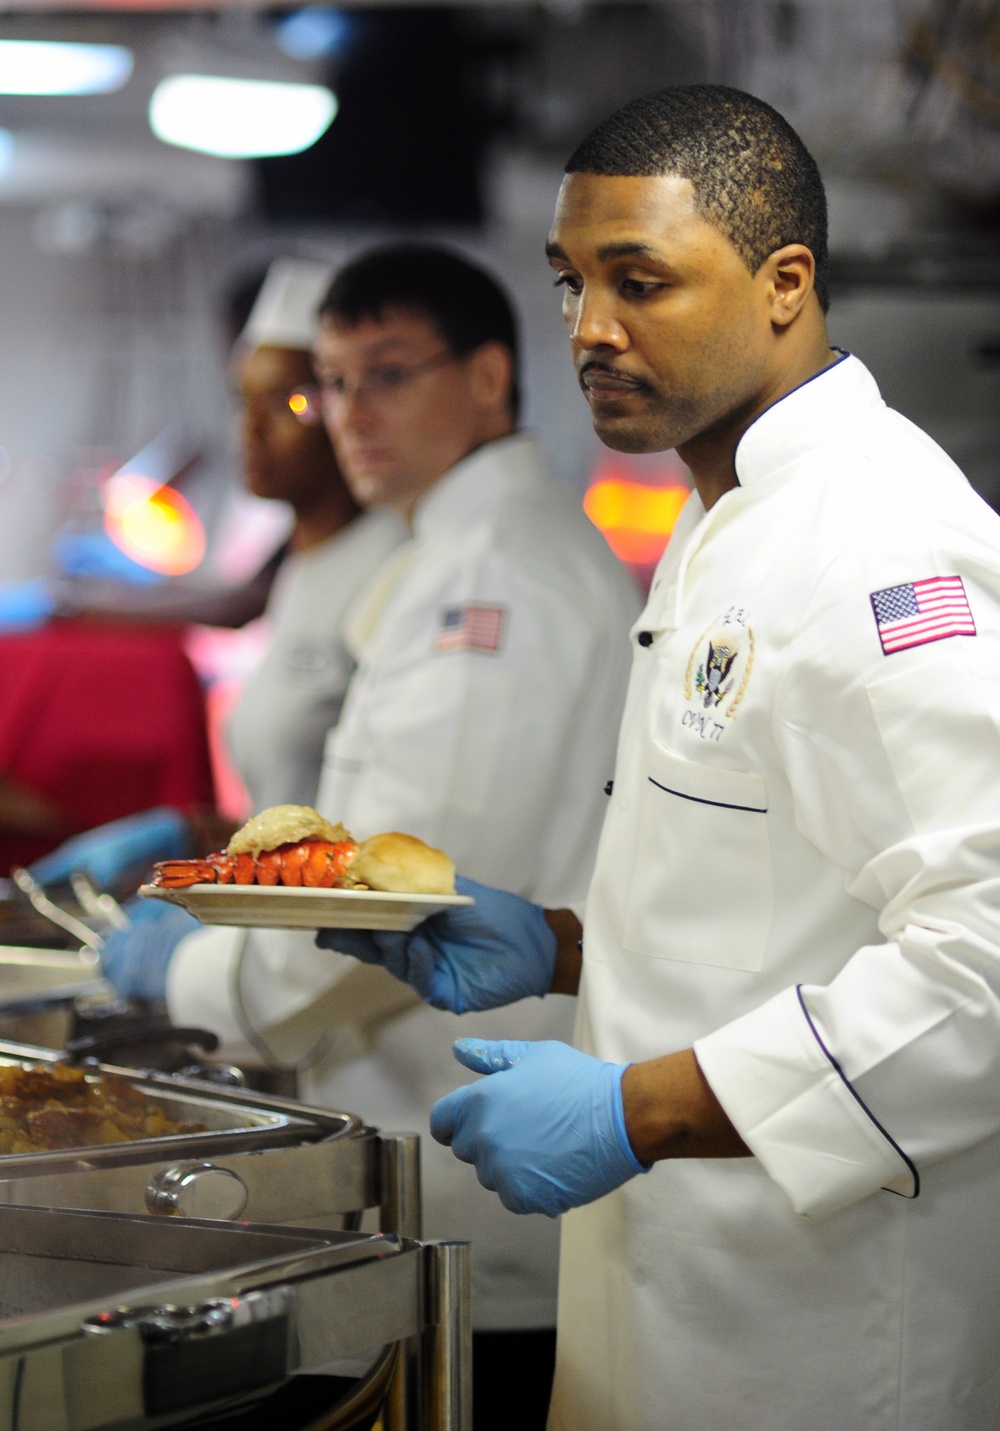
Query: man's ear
(491, 371)
(790, 276)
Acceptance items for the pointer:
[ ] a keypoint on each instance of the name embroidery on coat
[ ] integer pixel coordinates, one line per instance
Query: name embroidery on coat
(717, 674)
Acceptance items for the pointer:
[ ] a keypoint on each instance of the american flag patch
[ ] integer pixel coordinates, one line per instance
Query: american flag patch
(921, 611)
(471, 628)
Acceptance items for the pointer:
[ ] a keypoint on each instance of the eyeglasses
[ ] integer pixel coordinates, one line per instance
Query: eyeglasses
(380, 384)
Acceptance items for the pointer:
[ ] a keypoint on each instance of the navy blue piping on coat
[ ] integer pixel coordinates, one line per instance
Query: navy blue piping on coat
(842, 354)
(862, 1104)
(720, 804)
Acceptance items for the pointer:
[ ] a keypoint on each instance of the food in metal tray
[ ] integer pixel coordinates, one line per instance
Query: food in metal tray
(48, 1106)
(293, 845)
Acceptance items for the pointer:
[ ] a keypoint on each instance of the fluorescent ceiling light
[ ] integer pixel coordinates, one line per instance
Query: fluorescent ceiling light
(6, 149)
(239, 118)
(51, 67)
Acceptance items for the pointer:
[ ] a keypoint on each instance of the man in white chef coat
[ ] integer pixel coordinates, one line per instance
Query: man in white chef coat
(492, 655)
(780, 1125)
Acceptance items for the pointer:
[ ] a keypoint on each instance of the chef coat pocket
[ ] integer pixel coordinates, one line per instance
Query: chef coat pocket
(701, 886)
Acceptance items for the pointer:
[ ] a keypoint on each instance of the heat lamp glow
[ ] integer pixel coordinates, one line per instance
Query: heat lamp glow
(636, 519)
(239, 118)
(153, 524)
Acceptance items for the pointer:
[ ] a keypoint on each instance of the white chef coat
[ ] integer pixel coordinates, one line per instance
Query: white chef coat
(292, 698)
(798, 876)
(493, 659)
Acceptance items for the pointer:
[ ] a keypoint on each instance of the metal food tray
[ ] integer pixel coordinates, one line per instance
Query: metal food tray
(233, 1124)
(39, 989)
(313, 1167)
(138, 1322)
(27, 973)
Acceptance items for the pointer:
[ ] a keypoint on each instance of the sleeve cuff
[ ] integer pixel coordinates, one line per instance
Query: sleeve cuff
(788, 1098)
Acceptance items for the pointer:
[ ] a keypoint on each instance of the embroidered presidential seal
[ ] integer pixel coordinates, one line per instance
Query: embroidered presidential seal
(717, 673)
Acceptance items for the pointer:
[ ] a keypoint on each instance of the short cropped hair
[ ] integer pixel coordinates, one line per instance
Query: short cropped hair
(466, 304)
(754, 180)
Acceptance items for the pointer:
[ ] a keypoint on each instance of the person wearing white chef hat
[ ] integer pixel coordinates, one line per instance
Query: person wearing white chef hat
(294, 696)
(777, 1140)
(492, 656)
(290, 700)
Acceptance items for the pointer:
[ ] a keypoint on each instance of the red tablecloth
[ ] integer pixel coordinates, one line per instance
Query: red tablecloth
(102, 720)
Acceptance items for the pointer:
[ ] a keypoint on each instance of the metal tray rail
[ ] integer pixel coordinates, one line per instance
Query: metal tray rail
(299, 1186)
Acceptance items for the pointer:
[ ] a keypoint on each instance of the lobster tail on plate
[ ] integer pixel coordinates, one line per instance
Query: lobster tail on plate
(294, 846)
(313, 864)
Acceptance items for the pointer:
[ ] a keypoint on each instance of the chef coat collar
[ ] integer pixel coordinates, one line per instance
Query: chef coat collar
(357, 534)
(464, 492)
(828, 402)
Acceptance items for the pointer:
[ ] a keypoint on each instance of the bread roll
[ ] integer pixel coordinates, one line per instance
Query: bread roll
(402, 864)
(283, 825)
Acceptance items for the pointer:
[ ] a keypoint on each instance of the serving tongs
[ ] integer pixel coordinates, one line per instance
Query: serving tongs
(102, 906)
(40, 902)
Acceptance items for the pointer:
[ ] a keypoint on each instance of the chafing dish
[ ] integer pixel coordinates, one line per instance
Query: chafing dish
(39, 989)
(141, 1322)
(56, 998)
(264, 1158)
(27, 972)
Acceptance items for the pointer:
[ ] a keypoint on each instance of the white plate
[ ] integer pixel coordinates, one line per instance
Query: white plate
(278, 907)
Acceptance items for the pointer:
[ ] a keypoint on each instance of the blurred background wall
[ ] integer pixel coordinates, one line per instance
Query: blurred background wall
(122, 258)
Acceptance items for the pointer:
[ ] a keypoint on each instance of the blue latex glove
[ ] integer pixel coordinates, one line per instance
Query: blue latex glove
(480, 956)
(94, 554)
(107, 851)
(25, 605)
(136, 960)
(546, 1131)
